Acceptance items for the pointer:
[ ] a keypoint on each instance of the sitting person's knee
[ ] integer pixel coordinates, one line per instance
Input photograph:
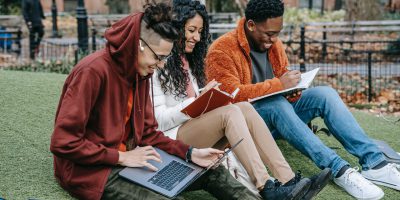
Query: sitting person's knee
(230, 110)
(326, 89)
(273, 103)
(245, 106)
(324, 92)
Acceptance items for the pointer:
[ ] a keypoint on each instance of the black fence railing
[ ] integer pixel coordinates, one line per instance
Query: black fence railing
(357, 59)
(66, 49)
(361, 60)
(356, 75)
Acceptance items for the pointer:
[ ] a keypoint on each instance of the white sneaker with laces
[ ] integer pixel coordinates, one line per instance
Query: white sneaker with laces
(388, 176)
(357, 186)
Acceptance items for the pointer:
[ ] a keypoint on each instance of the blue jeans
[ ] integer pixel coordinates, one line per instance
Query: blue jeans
(289, 121)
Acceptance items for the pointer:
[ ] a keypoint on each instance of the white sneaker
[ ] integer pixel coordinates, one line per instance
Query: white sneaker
(388, 176)
(357, 186)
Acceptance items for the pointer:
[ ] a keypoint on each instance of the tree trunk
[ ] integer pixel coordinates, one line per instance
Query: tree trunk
(338, 5)
(137, 5)
(363, 10)
(241, 5)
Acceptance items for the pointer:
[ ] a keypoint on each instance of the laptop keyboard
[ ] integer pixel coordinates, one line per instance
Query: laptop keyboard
(170, 176)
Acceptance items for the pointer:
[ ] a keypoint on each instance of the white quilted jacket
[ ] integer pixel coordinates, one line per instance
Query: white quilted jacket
(169, 117)
(168, 108)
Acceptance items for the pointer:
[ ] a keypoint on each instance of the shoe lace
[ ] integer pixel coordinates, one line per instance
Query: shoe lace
(353, 178)
(277, 183)
(297, 176)
(396, 165)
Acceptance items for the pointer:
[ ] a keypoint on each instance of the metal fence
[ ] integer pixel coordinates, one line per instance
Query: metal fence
(361, 60)
(357, 75)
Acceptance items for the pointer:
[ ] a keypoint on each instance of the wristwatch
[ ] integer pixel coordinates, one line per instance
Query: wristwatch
(189, 154)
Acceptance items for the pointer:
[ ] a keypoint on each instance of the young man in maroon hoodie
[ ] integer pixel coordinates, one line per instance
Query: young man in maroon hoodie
(105, 119)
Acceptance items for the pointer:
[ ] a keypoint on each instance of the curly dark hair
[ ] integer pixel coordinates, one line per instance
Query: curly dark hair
(158, 17)
(261, 10)
(172, 77)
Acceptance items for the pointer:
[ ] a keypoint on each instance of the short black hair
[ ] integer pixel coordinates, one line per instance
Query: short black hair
(159, 18)
(261, 10)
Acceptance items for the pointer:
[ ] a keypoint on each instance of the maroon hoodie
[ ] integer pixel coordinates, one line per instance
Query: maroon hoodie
(89, 123)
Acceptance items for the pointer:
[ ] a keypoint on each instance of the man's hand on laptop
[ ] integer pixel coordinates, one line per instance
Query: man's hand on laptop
(206, 157)
(139, 157)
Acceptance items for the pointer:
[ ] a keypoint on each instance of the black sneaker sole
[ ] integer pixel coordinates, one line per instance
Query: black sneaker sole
(319, 183)
(300, 190)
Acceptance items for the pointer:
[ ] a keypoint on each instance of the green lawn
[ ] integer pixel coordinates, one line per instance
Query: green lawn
(27, 106)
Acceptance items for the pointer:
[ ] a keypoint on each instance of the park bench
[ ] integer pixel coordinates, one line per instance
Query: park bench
(353, 27)
(218, 29)
(349, 29)
(348, 37)
(99, 23)
(10, 35)
(223, 17)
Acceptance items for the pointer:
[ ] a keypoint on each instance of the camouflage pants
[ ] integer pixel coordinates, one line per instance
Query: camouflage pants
(218, 183)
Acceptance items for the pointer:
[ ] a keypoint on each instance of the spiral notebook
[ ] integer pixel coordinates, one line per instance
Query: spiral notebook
(210, 100)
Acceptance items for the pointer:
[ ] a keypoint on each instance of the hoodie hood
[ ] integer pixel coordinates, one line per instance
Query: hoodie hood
(122, 45)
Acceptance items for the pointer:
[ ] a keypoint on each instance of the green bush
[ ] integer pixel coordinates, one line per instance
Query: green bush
(304, 15)
(62, 66)
(8, 7)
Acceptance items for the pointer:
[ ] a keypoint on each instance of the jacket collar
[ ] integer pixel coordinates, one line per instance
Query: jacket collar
(242, 39)
(275, 55)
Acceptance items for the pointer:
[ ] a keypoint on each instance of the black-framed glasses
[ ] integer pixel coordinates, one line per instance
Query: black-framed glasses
(160, 58)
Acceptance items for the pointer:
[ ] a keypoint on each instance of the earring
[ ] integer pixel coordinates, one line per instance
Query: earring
(140, 46)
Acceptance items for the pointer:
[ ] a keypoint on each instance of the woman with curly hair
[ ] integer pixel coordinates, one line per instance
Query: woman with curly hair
(177, 85)
(105, 121)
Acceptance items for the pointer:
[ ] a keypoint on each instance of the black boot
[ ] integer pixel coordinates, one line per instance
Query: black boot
(318, 182)
(289, 191)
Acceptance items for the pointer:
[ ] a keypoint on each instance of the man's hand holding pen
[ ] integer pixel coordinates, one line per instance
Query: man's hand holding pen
(291, 79)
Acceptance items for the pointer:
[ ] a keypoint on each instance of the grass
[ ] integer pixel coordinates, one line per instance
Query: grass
(27, 106)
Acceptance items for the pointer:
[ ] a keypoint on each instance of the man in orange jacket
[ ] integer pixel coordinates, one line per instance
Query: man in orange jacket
(253, 59)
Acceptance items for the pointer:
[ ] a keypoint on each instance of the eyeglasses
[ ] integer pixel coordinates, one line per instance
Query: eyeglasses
(160, 58)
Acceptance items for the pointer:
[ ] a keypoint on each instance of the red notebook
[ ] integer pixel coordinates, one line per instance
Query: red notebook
(210, 100)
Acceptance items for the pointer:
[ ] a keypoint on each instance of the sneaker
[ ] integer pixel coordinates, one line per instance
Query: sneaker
(318, 182)
(275, 190)
(357, 186)
(388, 176)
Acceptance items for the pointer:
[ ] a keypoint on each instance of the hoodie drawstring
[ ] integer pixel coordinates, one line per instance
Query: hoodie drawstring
(137, 93)
(152, 99)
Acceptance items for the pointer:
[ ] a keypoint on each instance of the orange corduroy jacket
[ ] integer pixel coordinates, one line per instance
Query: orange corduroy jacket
(228, 62)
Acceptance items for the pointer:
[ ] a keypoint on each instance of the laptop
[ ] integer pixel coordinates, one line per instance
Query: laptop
(173, 176)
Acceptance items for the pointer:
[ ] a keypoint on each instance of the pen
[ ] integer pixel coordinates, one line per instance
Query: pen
(201, 89)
